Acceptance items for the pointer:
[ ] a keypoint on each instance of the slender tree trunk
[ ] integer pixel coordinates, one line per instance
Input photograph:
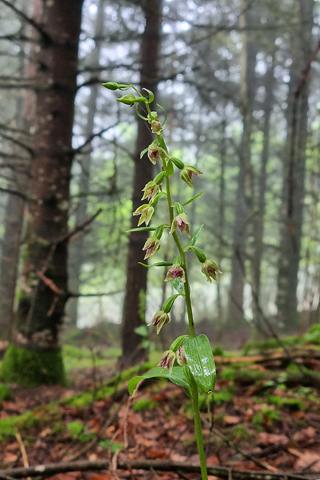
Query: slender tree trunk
(35, 356)
(76, 249)
(16, 204)
(294, 176)
(259, 214)
(135, 298)
(244, 194)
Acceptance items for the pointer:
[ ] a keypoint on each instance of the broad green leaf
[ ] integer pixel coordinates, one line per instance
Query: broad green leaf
(178, 285)
(193, 198)
(200, 362)
(195, 237)
(141, 229)
(158, 264)
(177, 376)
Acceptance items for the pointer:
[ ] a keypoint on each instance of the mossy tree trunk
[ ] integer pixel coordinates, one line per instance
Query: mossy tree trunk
(44, 277)
(134, 306)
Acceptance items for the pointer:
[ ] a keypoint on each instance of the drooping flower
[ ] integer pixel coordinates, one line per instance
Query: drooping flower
(159, 320)
(156, 127)
(186, 174)
(167, 360)
(174, 272)
(181, 221)
(154, 153)
(181, 356)
(150, 190)
(146, 212)
(151, 247)
(210, 270)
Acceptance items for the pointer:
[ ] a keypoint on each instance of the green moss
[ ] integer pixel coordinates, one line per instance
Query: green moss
(218, 351)
(144, 404)
(79, 432)
(31, 368)
(293, 404)
(265, 416)
(5, 393)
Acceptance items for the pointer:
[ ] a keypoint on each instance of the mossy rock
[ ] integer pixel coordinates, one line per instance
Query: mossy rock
(31, 368)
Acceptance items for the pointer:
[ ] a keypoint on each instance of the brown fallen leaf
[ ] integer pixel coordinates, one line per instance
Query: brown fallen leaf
(232, 420)
(272, 439)
(309, 461)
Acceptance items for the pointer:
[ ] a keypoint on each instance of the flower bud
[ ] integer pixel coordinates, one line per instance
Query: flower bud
(151, 247)
(186, 174)
(178, 163)
(210, 270)
(111, 85)
(159, 320)
(167, 360)
(130, 99)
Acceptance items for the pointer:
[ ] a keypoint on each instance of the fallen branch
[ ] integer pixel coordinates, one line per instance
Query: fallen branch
(85, 466)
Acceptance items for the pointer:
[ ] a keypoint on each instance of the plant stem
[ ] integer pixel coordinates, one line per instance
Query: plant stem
(193, 385)
(197, 424)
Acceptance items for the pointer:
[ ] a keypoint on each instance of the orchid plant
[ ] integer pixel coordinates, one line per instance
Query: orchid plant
(188, 362)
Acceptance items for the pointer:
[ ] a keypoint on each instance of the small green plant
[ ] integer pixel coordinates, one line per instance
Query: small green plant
(144, 404)
(188, 362)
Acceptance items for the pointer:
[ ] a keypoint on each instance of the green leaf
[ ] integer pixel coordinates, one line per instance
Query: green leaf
(151, 95)
(200, 362)
(141, 229)
(169, 168)
(142, 330)
(195, 237)
(193, 198)
(177, 376)
(178, 285)
(199, 253)
(158, 264)
(143, 152)
(165, 113)
(168, 304)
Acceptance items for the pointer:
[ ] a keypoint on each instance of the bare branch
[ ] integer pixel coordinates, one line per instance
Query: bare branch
(27, 19)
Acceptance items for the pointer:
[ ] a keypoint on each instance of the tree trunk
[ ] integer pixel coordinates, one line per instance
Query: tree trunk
(35, 357)
(76, 249)
(244, 194)
(15, 206)
(135, 298)
(294, 175)
(259, 214)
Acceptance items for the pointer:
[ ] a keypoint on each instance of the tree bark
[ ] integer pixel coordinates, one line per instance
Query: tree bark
(294, 174)
(258, 222)
(16, 204)
(244, 198)
(76, 249)
(44, 277)
(135, 297)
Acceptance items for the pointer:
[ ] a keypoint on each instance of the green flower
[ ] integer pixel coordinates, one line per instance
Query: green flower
(159, 320)
(151, 247)
(150, 190)
(186, 174)
(146, 212)
(181, 221)
(210, 270)
(167, 360)
(174, 272)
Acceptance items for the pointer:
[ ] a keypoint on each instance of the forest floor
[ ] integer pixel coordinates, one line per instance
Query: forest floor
(264, 416)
